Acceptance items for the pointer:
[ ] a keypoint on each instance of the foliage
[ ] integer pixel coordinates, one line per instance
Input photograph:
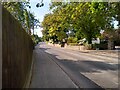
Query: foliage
(116, 11)
(73, 44)
(72, 40)
(101, 46)
(52, 28)
(36, 39)
(84, 19)
(113, 35)
(20, 12)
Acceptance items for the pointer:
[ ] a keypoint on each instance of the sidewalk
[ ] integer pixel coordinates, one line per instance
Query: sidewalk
(47, 74)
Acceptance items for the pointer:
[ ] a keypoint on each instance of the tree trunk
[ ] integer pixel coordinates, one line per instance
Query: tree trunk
(33, 30)
(89, 41)
(89, 38)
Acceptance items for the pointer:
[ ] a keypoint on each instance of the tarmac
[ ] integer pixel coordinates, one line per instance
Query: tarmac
(47, 74)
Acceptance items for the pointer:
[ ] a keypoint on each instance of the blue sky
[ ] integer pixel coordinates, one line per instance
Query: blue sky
(39, 12)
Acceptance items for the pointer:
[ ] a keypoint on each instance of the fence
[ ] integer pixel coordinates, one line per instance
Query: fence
(17, 48)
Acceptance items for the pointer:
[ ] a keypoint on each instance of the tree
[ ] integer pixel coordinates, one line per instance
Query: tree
(87, 19)
(20, 12)
(116, 11)
(16, 9)
(54, 28)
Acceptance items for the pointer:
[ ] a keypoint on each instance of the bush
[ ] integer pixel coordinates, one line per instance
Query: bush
(88, 46)
(101, 46)
(72, 40)
(36, 39)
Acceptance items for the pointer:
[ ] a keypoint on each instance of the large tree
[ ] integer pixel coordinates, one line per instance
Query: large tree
(85, 18)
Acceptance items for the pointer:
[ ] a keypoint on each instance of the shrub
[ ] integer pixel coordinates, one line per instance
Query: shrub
(72, 40)
(35, 39)
(88, 46)
(101, 46)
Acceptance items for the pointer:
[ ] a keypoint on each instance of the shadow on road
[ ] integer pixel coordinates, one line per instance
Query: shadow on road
(79, 66)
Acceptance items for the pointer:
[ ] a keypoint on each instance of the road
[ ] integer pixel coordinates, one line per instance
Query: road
(80, 70)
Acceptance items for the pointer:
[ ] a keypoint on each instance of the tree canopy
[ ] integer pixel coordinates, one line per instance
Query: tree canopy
(85, 19)
(22, 14)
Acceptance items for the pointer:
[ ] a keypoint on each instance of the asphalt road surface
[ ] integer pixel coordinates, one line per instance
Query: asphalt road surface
(62, 68)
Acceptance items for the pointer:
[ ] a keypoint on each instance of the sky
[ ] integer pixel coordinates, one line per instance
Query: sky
(39, 12)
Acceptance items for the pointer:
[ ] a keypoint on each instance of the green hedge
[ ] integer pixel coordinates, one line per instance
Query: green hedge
(101, 46)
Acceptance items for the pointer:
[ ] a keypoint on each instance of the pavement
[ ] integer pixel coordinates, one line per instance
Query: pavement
(47, 74)
(62, 68)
